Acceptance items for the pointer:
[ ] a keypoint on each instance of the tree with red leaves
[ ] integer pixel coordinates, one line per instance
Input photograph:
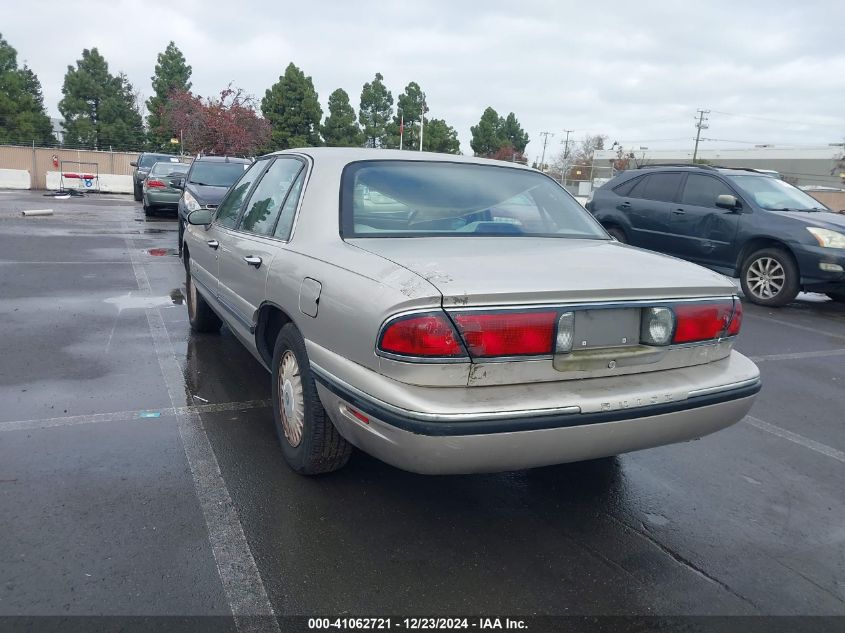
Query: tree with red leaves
(224, 125)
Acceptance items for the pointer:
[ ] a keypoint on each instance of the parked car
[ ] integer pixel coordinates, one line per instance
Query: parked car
(777, 239)
(142, 166)
(206, 183)
(161, 188)
(450, 314)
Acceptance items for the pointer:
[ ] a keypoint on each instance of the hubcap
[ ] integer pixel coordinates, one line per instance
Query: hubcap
(290, 392)
(765, 278)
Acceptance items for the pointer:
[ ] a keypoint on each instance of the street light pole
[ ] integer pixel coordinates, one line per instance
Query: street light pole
(422, 120)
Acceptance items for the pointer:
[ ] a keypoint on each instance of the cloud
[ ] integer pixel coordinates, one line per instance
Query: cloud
(634, 71)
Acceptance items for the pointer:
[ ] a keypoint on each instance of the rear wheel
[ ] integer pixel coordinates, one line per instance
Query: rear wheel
(136, 193)
(310, 442)
(200, 315)
(148, 210)
(617, 234)
(770, 277)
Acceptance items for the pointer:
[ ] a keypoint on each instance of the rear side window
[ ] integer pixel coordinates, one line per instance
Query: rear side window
(285, 223)
(626, 187)
(661, 187)
(701, 191)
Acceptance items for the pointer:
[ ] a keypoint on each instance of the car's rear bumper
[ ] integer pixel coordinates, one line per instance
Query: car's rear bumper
(163, 198)
(592, 418)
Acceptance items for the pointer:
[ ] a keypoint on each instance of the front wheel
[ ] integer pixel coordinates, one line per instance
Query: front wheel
(310, 442)
(136, 193)
(200, 315)
(770, 277)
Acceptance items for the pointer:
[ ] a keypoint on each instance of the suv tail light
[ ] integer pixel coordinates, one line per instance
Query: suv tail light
(422, 335)
(508, 333)
(154, 184)
(702, 321)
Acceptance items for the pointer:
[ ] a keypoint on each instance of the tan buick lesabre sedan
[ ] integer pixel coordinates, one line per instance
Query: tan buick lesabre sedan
(449, 314)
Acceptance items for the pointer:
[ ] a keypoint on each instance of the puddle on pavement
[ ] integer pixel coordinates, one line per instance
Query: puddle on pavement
(130, 301)
(161, 252)
(177, 296)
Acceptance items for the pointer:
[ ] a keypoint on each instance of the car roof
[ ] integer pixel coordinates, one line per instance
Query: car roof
(354, 154)
(222, 159)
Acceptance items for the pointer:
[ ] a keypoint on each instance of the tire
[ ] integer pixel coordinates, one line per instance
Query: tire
(136, 193)
(200, 315)
(837, 296)
(310, 443)
(763, 270)
(148, 210)
(617, 234)
(181, 234)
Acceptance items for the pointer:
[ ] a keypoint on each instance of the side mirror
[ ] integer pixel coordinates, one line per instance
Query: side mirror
(727, 201)
(177, 183)
(133, 163)
(200, 217)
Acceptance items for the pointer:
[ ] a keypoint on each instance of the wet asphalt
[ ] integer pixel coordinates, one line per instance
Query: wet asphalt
(110, 502)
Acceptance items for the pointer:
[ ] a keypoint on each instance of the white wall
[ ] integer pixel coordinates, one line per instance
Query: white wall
(14, 179)
(108, 183)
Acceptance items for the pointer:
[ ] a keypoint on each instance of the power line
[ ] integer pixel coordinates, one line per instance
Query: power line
(781, 121)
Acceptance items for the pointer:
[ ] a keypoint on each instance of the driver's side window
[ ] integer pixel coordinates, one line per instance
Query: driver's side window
(230, 208)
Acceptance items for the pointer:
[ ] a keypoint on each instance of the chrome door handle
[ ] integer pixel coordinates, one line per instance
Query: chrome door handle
(213, 244)
(679, 212)
(253, 261)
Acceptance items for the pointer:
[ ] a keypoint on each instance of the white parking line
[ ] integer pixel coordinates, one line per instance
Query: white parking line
(797, 326)
(122, 416)
(236, 566)
(798, 355)
(806, 442)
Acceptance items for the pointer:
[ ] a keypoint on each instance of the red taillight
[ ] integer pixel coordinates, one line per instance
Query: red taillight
(736, 319)
(507, 334)
(429, 335)
(701, 321)
(155, 184)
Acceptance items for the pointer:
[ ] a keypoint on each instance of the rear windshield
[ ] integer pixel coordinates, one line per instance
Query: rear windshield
(169, 169)
(417, 199)
(148, 160)
(217, 174)
(776, 195)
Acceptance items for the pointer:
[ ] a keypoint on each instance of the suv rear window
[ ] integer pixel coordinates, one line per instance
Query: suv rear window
(427, 198)
(625, 188)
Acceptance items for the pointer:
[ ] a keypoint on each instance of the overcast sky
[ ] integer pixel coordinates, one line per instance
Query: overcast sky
(636, 71)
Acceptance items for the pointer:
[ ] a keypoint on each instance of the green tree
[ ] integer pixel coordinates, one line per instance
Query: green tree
(100, 109)
(293, 110)
(513, 133)
(375, 111)
(340, 128)
(409, 108)
(23, 118)
(487, 136)
(171, 73)
(440, 137)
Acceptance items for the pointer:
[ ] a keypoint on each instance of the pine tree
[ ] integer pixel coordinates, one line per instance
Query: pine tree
(409, 107)
(23, 118)
(171, 73)
(340, 128)
(293, 110)
(440, 137)
(487, 136)
(513, 133)
(375, 111)
(100, 110)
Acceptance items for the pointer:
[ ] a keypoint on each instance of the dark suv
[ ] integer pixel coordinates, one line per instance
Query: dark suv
(206, 183)
(740, 222)
(142, 166)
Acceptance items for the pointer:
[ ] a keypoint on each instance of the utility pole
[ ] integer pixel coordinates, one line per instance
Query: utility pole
(700, 124)
(545, 136)
(566, 144)
(422, 120)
